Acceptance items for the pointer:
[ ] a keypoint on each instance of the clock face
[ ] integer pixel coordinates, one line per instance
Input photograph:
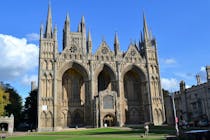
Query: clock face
(104, 50)
(73, 49)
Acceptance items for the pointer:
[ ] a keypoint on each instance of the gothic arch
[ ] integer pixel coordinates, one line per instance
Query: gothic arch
(135, 68)
(44, 119)
(44, 64)
(108, 67)
(49, 119)
(64, 118)
(50, 65)
(105, 78)
(160, 116)
(134, 90)
(76, 65)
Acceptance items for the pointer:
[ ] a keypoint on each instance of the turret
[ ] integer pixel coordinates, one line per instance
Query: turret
(89, 43)
(116, 44)
(48, 30)
(198, 79)
(81, 27)
(41, 31)
(182, 86)
(66, 32)
(208, 74)
(82, 30)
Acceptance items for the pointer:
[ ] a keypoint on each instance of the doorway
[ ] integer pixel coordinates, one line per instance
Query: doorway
(109, 120)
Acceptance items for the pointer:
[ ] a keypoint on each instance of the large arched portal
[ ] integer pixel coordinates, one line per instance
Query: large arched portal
(74, 89)
(133, 94)
(106, 79)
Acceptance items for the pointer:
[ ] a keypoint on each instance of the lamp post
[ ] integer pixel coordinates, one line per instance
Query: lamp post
(175, 117)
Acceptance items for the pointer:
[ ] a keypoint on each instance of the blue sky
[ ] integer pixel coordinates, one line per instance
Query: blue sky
(181, 27)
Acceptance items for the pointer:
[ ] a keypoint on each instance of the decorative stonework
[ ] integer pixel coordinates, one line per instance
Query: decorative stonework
(81, 88)
(9, 121)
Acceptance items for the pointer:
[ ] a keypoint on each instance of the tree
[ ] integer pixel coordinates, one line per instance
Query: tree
(30, 109)
(4, 100)
(15, 106)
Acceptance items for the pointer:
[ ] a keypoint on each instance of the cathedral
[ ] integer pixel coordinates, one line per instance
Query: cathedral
(79, 88)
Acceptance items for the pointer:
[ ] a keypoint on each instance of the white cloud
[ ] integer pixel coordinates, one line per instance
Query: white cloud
(169, 61)
(17, 57)
(27, 79)
(203, 69)
(32, 37)
(170, 84)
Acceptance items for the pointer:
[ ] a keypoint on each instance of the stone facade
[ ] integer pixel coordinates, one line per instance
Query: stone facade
(192, 104)
(9, 121)
(80, 88)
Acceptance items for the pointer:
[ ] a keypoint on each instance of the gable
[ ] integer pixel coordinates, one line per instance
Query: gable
(104, 50)
(132, 54)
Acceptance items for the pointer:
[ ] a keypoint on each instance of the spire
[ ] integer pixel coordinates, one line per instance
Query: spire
(55, 32)
(83, 20)
(89, 39)
(145, 29)
(67, 17)
(82, 25)
(41, 31)
(66, 31)
(142, 37)
(116, 44)
(116, 41)
(48, 31)
(67, 23)
(89, 43)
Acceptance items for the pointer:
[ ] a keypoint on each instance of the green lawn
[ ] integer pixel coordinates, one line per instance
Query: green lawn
(156, 133)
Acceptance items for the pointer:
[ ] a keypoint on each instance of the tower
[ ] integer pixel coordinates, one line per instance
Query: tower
(149, 47)
(47, 54)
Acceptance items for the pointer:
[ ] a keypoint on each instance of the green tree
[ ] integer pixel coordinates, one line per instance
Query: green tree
(15, 106)
(30, 109)
(4, 101)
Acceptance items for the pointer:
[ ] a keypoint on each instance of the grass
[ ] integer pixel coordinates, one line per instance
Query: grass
(156, 133)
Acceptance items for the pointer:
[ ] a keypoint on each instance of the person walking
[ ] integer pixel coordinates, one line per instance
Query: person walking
(146, 128)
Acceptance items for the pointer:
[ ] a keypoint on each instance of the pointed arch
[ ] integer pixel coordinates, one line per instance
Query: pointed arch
(160, 116)
(156, 116)
(44, 65)
(108, 68)
(49, 119)
(136, 68)
(64, 118)
(105, 78)
(76, 65)
(134, 93)
(43, 117)
(50, 65)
